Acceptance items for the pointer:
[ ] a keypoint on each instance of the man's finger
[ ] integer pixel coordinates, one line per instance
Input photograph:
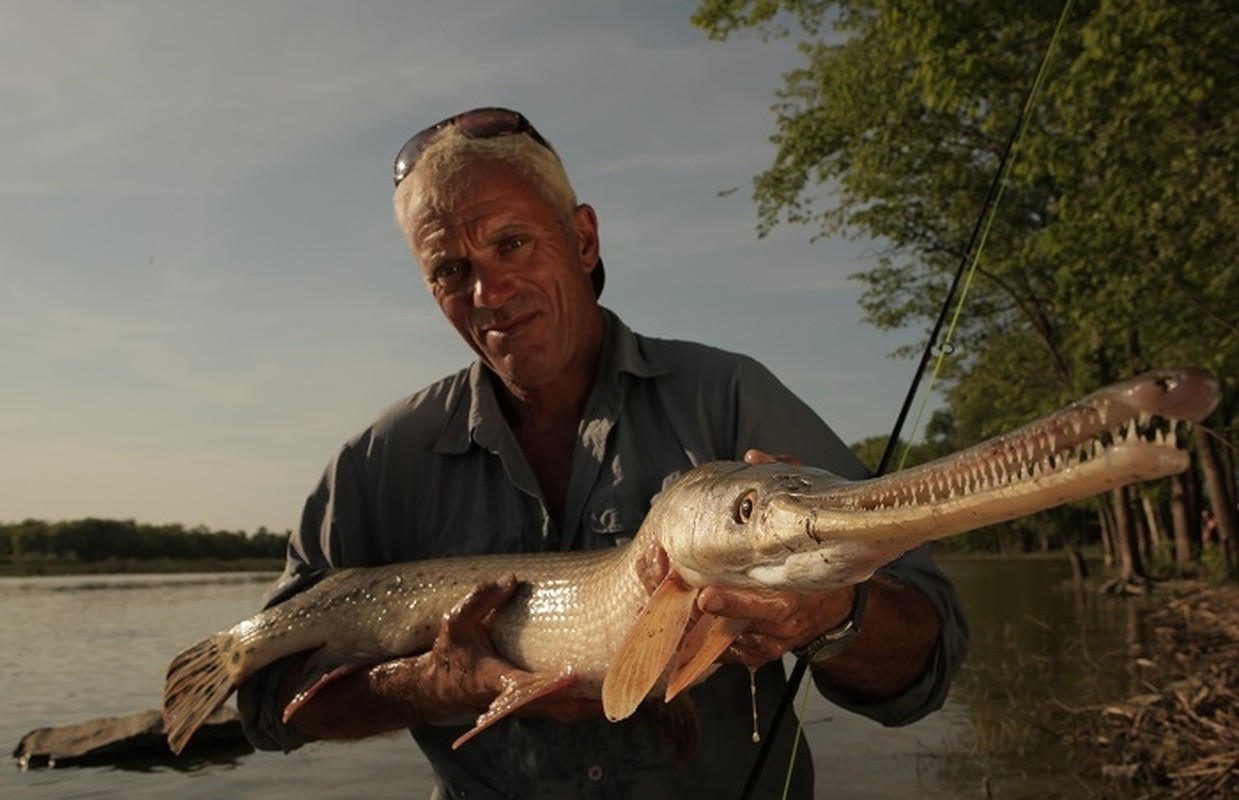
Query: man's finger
(652, 567)
(755, 456)
(472, 611)
(749, 604)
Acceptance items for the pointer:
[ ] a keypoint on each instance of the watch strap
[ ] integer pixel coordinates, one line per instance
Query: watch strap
(838, 638)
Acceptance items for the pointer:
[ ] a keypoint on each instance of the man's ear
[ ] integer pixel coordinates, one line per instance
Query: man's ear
(586, 222)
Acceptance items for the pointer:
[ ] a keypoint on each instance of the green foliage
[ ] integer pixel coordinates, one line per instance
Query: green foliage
(1115, 247)
(939, 442)
(91, 541)
(869, 450)
(1213, 565)
(720, 18)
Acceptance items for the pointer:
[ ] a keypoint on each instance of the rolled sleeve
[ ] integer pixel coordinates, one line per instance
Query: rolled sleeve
(261, 721)
(927, 695)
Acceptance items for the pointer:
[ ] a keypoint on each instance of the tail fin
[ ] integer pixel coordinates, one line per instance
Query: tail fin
(198, 683)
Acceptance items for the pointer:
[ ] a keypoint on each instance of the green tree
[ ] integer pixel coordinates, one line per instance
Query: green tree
(90, 541)
(1115, 246)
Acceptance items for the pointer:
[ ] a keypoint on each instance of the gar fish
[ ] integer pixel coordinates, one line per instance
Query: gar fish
(584, 622)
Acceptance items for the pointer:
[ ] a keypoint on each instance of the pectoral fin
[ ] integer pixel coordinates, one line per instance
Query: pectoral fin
(703, 643)
(647, 648)
(320, 669)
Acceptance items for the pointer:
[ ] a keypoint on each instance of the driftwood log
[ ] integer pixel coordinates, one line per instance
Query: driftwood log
(131, 739)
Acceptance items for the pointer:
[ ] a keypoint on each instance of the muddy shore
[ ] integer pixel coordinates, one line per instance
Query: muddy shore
(1178, 735)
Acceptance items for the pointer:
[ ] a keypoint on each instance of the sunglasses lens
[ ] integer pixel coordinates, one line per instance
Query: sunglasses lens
(481, 123)
(408, 154)
(487, 123)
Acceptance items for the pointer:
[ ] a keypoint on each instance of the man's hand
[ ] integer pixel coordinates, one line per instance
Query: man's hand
(897, 639)
(461, 673)
(454, 681)
(779, 621)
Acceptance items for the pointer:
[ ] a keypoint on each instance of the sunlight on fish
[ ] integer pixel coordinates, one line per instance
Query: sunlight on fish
(769, 526)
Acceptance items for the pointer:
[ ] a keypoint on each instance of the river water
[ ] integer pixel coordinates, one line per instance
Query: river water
(74, 648)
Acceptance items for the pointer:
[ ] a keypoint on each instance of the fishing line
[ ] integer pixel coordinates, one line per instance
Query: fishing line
(968, 265)
(964, 273)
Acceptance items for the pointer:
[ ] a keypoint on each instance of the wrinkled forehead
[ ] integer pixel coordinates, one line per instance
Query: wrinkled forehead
(438, 225)
(485, 201)
(469, 191)
(441, 193)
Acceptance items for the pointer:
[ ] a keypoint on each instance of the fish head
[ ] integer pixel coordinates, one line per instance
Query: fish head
(791, 527)
(728, 523)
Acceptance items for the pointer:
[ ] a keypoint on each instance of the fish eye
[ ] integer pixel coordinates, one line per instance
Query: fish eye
(744, 506)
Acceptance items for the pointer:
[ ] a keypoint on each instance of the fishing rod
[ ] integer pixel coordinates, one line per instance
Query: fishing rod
(967, 265)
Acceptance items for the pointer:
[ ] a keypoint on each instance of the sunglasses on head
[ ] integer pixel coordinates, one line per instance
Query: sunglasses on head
(480, 123)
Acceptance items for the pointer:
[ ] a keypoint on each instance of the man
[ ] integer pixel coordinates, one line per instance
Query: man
(558, 437)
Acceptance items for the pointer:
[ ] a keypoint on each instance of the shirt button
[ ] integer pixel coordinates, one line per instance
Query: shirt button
(594, 773)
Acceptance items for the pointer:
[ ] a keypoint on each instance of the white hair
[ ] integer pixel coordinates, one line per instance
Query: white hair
(441, 169)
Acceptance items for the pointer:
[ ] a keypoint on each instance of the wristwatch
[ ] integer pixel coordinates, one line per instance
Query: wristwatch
(837, 639)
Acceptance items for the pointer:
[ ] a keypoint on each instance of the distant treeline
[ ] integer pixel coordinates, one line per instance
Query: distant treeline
(90, 541)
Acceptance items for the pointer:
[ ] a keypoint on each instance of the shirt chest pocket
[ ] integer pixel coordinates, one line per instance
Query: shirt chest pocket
(614, 515)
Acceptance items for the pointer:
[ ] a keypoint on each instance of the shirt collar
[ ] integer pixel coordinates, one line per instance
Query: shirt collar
(475, 417)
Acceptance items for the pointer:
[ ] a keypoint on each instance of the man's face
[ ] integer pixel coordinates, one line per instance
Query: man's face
(510, 274)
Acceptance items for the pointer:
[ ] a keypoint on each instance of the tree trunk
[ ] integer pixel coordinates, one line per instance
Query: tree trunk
(1182, 522)
(1079, 569)
(1220, 500)
(1131, 578)
(1131, 567)
(1145, 539)
(1106, 516)
(1154, 518)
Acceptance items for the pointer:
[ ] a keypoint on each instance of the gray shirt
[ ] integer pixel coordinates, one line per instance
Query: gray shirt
(440, 473)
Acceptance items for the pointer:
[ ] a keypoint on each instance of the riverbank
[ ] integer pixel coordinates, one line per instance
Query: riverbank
(31, 568)
(1178, 734)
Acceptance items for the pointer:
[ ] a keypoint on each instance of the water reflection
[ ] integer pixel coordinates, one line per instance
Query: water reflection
(1046, 656)
(76, 648)
(150, 760)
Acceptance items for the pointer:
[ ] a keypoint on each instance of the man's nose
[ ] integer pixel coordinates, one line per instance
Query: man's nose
(492, 283)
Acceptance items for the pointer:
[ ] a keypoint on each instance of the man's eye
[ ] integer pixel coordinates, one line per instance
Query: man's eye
(511, 244)
(449, 273)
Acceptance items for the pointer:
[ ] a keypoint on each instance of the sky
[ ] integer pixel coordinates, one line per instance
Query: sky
(203, 292)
